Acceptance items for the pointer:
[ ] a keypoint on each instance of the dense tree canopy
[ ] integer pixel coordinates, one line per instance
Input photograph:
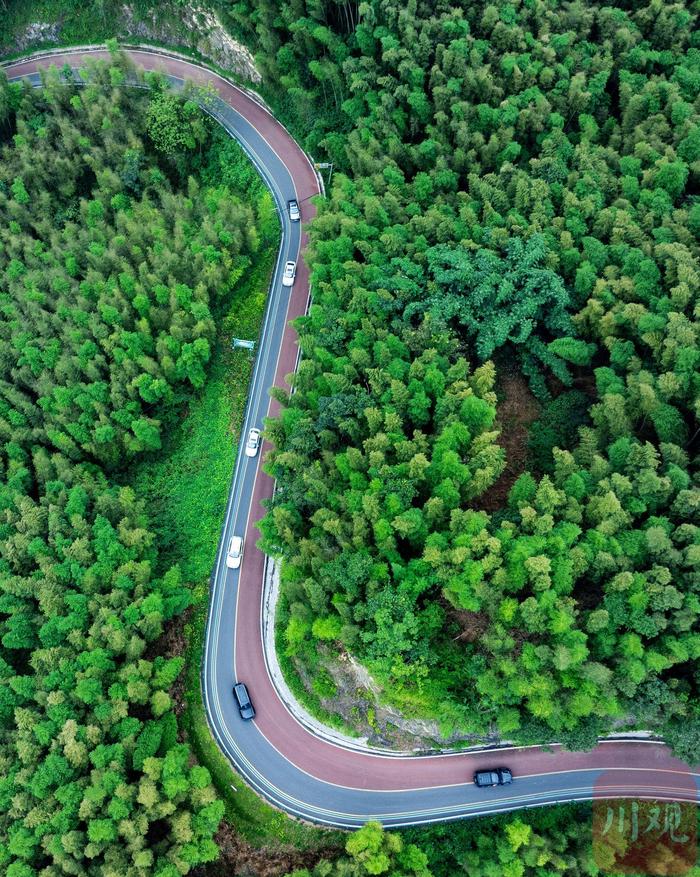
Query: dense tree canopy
(109, 277)
(557, 841)
(371, 850)
(532, 844)
(516, 181)
(114, 262)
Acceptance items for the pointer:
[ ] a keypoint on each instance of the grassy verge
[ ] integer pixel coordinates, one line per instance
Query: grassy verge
(256, 821)
(186, 487)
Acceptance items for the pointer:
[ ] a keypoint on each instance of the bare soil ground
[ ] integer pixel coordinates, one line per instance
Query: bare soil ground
(239, 859)
(172, 643)
(471, 624)
(517, 410)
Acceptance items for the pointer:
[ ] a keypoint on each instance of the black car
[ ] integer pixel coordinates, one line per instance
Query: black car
(499, 776)
(240, 692)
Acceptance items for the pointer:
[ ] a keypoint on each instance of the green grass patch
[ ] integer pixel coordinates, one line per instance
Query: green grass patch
(192, 480)
(186, 485)
(186, 488)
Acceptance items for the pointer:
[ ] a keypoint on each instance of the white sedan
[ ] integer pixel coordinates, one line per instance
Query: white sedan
(253, 443)
(234, 555)
(290, 270)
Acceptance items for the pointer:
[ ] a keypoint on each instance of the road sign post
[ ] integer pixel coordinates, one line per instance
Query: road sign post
(324, 165)
(241, 342)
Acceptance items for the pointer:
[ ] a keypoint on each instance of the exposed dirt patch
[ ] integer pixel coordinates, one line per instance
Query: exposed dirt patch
(175, 643)
(242, 860)
(471, 625)
(517, 410)
(170, 644)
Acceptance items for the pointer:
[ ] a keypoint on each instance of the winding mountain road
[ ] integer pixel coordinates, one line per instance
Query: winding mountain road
(301, 773)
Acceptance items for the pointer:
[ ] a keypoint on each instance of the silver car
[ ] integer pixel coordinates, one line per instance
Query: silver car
(245, 706)
(290, 271)
(253, 443)
(294, 212)
(234, 555)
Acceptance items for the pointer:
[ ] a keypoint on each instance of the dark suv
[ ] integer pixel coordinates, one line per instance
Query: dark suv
(499, 776)
(240, 692)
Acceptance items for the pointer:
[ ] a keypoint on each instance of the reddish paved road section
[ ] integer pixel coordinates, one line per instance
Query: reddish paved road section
(631, 768)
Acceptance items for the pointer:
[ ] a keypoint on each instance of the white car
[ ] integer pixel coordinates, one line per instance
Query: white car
(253, 443)
(294, 212)
(290, 270)
(235, 552)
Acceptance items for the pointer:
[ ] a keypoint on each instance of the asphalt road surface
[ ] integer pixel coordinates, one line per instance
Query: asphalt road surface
(295, 770)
